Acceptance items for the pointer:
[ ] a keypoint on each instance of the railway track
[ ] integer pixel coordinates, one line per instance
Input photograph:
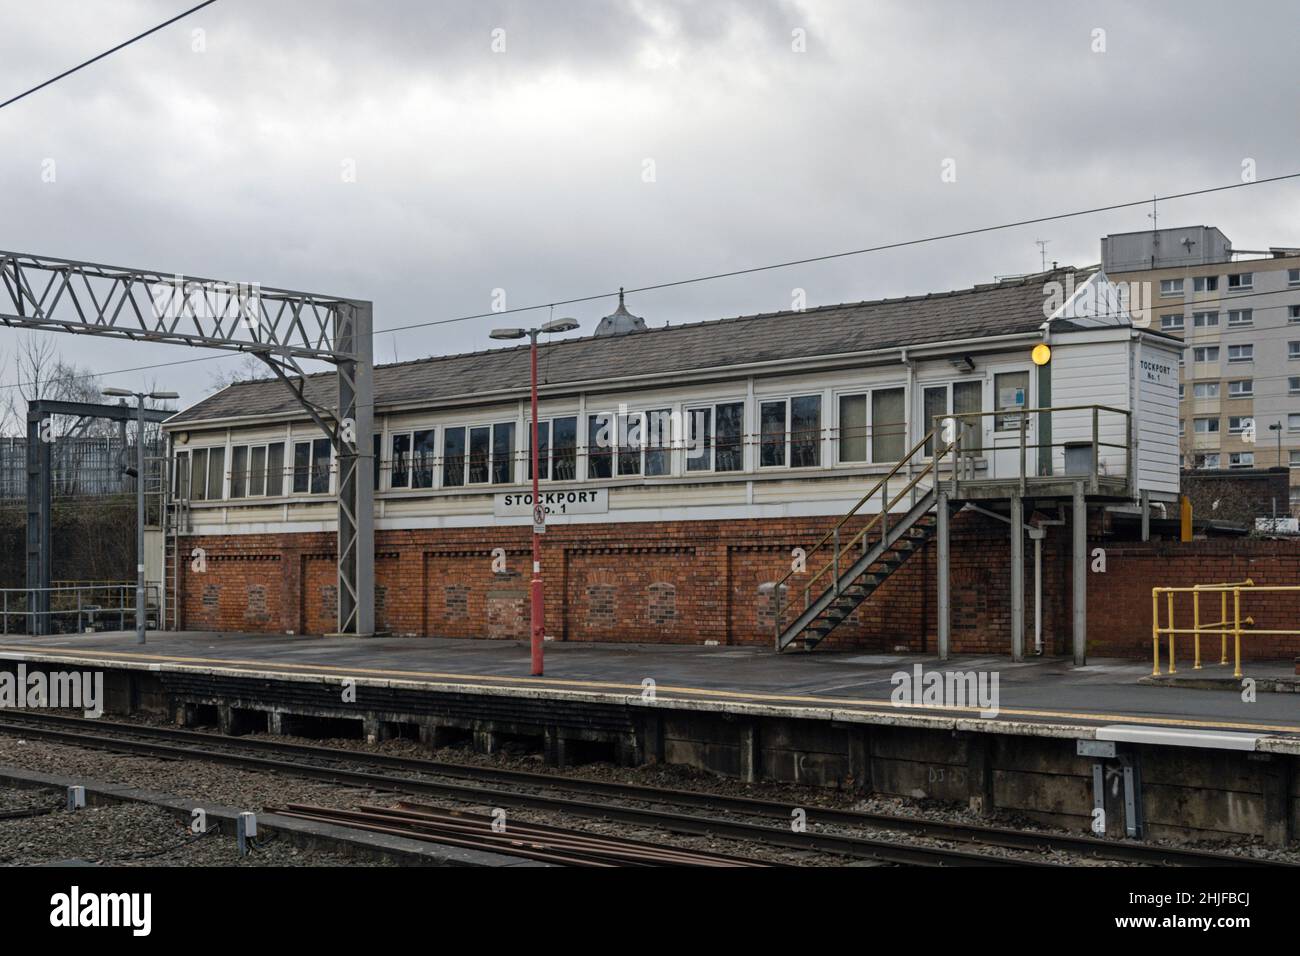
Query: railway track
(825, 827)
(529, 841)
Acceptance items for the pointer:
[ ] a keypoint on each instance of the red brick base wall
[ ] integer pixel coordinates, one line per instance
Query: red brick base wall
(703, 581)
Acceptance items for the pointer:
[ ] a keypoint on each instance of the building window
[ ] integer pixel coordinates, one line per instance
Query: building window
(715, 438)
(1293, 313)
(1205, 320)
(1241, 459)
(414, 454)
(1240, 317)
(1205, 284)
(311, 467)
(1205, 390)
(1239, 423)
(453, 457)
(1294, 458)
(503, 453)
(1205, 353)
(1293, 423)
(600, 446)
(1242, 388)
(257, 471)
(468, 455)
(1170, 287)
(791, 430)
(1293, 385)
(1293, 350)
(557, 449)
(181, 476)
(1293, 276)
(959, 398)
(1207, 461)
(1173, 322)
(1205, 426)
(1241, 353)
(1241, 281)
(1182, 391)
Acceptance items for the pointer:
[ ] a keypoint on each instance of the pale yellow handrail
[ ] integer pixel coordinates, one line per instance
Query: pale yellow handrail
(1224, 627)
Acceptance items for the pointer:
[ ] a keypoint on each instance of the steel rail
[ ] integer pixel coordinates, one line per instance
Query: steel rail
(833, 843)
(976, 834)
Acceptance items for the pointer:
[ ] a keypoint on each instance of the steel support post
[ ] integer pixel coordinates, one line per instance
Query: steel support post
(39, 554)
(1017, 578)
(1080, 549)
(139, 524)
(354, 448)
(942, 576)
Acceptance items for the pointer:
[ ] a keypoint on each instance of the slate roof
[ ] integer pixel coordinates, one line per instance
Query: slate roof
(1001, 308)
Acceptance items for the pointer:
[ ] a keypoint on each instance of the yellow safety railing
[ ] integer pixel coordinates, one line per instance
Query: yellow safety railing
(1226, 626)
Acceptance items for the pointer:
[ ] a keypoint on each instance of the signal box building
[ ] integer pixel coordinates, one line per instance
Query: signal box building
(714, 482)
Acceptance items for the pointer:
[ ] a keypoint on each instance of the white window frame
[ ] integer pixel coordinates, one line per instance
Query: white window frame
(1206, 350)
(1207, 422)
(1171, 288)
(1239, 318)
(1208, 386)
(1245, 353)
(250, 447)
(1245, 281)
(1205, 320)
(787, 463)
(1173, 322)
(1248, 391)
(1205, 284)
(1237, 459)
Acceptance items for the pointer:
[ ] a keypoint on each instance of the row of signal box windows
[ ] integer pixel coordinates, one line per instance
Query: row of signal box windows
(870, 429)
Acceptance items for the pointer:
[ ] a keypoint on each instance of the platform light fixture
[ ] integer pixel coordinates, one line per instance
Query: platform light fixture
(539, 510)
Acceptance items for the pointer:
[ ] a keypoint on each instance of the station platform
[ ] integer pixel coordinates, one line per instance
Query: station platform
(1040, 696)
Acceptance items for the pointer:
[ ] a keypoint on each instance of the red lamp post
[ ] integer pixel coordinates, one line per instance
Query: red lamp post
(536, 596)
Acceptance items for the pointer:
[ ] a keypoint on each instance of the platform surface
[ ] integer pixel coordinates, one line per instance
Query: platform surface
(1048, 693)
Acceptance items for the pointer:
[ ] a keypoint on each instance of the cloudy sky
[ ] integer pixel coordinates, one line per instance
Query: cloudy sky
(425, 153)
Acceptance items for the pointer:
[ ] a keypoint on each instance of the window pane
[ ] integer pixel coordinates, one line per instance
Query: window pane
(181, 476)
(216, 473)
(238, 470)
(301, 467)
(543, 450)
(888, 429)
(629, 445)
(564, 456)
(257, 472)
(699, 439)
(400, 466)
(503, 453)
(453, 457)
(600, 446)
(934, 406)
(480, 454)
(968, 398)
(376, 459)
(772, 426)
(853, 428)
(199, 475)
(730, 437)
(275, 469)
(320, 466)
(657, 437)
(423, 452)
(806, 431)
(1010, 391)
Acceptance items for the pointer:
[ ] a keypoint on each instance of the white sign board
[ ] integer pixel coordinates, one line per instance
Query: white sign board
(1278, 525)
(592, 501)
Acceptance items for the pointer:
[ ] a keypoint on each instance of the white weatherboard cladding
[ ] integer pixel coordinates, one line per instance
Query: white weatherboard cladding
(1090, 373)
(1155, 382)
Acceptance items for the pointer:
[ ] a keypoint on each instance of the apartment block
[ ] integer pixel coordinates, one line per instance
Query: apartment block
(1238, 313)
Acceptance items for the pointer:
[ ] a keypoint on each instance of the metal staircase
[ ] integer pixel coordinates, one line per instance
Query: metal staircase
(856, 569)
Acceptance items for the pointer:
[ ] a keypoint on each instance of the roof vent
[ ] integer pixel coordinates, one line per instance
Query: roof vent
(620, 321)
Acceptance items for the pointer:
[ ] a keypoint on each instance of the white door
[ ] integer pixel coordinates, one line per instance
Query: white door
(1011, 391)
